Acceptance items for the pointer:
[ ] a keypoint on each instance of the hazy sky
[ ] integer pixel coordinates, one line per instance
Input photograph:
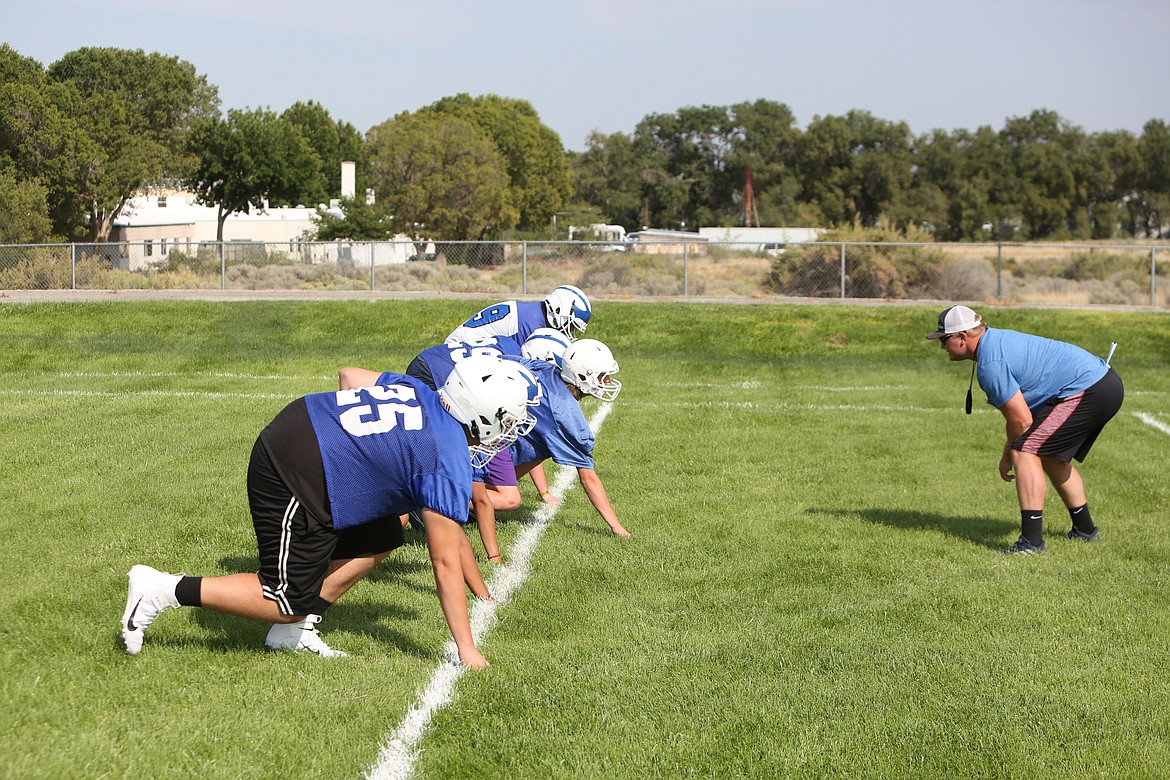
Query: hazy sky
(605, 64)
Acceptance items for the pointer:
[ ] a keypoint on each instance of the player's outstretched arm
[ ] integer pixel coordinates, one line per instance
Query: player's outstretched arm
(591, 483)
(351, 378)
(540, 482)
(485, 520)
(445, 542)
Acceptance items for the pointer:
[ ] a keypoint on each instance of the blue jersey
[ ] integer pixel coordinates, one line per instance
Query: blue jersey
(441, 360)
(561, 431)
(389, 449)
(509, 318)
(1040, 368)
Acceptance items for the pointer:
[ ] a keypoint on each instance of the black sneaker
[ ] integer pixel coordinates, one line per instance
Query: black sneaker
(1023, 547)
(1078, 535)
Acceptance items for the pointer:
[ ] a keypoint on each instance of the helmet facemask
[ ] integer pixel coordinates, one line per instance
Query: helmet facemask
(492, 398)
(589, 366)
(567, 309)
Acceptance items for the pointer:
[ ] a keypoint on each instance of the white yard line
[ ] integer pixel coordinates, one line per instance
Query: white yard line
(215, 374)
(148, 393)
(1152, 421)
(399, 751)
(277, 396)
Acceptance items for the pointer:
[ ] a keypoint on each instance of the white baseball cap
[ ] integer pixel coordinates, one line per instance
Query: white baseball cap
(954, 320)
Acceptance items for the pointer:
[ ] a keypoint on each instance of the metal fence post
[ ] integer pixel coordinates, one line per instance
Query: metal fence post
(73, 263)
(371, 269)
(524, 268)
(1153, 274)
(999, 270)
(842, 269)
(686, 269)
(222, 267)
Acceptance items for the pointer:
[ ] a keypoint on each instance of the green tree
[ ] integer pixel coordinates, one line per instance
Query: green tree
(334, 142)
(765, 138)
(24, 211)
(1151, 209)
(1112, 169)
(951, 188)
(360, 221)
(440, 177)
(138, 110)
(15, 68)
(607, 178)
(249, 158)
(42, 145)
(854, 167)
(539, 173)
(1040, 149)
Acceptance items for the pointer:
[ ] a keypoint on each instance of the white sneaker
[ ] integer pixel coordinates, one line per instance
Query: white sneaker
(150, 593)
(300, 637)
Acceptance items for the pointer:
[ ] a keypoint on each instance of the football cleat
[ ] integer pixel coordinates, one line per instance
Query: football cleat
(300, 637)
(150, 593)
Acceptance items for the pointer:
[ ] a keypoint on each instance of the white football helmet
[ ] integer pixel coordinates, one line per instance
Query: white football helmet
(491, 397)
(547, 344)
(567, 309)
(589, 366)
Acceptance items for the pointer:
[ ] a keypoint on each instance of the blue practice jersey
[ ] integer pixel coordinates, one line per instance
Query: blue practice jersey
(509, 318)
(1040, 368)
(389, 449)
(441, 360)
(561, 431)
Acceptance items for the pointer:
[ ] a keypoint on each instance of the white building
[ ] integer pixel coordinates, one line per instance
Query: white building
(760, 239)
(151, 225)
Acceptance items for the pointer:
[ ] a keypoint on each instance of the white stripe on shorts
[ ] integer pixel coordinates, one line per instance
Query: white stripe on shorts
(279, 595)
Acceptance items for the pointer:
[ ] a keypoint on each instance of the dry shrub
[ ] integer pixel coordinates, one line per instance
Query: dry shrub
(965, 279)
(630, 274)
(38, 268)
(325, 276)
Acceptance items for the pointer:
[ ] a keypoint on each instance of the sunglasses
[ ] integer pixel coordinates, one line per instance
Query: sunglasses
(948, 337)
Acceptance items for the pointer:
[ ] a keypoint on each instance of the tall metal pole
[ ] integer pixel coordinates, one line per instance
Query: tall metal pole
(999, 270)
(1153, 274)
(842, 269)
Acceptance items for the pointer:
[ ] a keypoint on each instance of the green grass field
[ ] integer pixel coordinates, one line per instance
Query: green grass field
(811, 588)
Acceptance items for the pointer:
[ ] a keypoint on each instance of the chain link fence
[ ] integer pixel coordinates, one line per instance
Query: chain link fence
(1069, 274)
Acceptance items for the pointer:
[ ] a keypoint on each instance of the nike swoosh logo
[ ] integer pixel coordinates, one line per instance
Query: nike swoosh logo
(130, 621)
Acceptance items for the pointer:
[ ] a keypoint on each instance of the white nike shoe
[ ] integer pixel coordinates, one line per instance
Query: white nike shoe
(150, 593)
(300, 637)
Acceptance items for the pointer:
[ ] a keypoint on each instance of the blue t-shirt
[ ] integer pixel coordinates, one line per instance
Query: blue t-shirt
(389, 449)
(561, 431)
(508, 318)
(1040, 368)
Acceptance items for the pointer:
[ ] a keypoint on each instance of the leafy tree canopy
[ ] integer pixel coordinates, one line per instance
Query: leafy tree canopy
(440, 177)
(247, 158)
(539, 174)
(138, 109)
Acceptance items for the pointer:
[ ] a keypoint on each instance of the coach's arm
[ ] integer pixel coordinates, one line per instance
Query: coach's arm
(1017, 419)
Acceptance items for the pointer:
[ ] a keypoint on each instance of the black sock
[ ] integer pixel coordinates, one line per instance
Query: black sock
(1082, 520)
(187, 592)
(1032, 525)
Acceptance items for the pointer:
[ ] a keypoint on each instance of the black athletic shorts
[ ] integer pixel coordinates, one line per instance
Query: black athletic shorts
(1065, 428)
(296, 544)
